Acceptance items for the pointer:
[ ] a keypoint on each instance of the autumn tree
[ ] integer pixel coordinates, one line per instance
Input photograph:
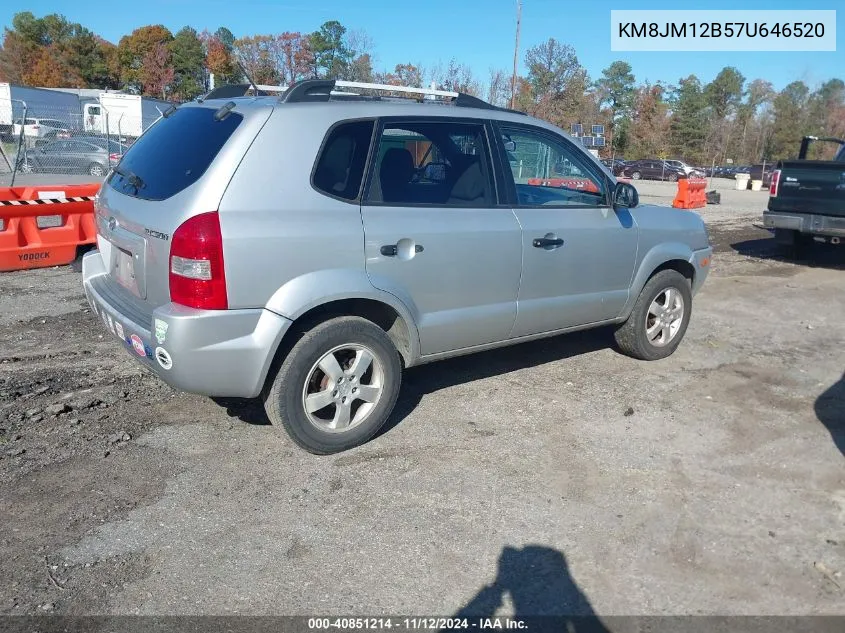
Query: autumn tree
(53, 52)
(402, 75)
(157, 73)
(257, 55)
(649, 123)
(219, 56)
(16, 57)
(294, 58)
(139, 54)
(50, 69)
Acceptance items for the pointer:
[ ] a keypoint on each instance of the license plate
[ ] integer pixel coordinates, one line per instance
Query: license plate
(124, 270)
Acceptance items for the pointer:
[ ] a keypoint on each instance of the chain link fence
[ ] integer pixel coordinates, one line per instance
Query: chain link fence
(67, 144)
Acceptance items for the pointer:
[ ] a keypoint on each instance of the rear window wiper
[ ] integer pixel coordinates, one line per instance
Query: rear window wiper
(133, 179)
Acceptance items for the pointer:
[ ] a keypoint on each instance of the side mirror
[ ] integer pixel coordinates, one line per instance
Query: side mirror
(510, 146)
(625, 195)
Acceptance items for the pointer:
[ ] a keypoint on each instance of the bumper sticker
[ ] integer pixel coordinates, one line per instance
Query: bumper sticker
(138, 345)
(163, 358)
(160, 330)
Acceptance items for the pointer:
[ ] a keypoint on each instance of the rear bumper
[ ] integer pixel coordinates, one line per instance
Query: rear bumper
(805, 223)
(701, 261)
(209, 352)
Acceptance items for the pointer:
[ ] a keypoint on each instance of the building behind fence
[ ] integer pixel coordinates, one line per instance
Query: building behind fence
(70, 131)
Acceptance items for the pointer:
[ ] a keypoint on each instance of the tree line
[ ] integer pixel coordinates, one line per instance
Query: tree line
(730, 117)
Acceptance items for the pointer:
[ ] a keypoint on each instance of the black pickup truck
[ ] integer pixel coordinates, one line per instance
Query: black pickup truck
(807, 199)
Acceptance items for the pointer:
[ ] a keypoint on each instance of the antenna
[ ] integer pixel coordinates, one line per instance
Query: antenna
(248, 78)
(516, 52)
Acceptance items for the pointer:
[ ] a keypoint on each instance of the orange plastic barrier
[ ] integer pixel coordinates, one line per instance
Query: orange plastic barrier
(43, 226)
(690, 194)
(582, 184)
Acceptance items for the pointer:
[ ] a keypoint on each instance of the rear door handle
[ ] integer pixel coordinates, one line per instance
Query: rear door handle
(547, 242)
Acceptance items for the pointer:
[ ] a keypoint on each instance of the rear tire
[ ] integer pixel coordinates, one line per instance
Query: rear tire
(328, 406)
(636, 175)
(660, 317)
(673, 177)
(96, 170)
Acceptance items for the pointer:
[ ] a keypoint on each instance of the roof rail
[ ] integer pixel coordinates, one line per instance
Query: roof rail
(310, 90)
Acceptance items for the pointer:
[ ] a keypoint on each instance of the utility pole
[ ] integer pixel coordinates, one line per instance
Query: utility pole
(516, 53)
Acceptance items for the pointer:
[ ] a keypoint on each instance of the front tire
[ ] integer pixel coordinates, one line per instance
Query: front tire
(96, 170)
(336, 387)
(660, 317)
(636, 175)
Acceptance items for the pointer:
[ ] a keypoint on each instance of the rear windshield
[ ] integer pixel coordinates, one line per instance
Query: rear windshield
(173, 154)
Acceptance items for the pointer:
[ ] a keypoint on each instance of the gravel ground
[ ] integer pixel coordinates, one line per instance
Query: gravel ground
(553, 477)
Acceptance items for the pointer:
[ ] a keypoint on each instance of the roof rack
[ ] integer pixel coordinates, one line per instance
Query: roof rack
(310, 90)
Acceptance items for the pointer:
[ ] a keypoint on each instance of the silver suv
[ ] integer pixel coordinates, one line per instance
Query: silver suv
(307, 247)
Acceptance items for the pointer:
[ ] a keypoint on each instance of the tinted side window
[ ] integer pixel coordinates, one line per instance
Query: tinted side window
(549, 172)
(340, 166)
(442, 163)
(174, 153)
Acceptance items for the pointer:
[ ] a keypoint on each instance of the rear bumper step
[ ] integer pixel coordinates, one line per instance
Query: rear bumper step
(209, 352)
(809, 223)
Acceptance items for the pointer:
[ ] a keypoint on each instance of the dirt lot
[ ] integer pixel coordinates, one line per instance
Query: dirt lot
(577, 479)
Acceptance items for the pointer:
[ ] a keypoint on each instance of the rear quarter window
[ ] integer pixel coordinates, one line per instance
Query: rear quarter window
(173, 154)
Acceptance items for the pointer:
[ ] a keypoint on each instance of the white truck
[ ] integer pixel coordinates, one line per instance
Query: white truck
(123, 115)
(60, 109)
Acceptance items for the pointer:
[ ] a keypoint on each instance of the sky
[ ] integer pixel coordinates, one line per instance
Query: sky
(479, 33)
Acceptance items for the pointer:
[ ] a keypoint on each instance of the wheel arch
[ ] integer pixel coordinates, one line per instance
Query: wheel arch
(672, 256)
(306, 302)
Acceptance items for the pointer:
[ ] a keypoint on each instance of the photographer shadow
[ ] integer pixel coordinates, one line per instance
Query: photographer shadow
(541, 590)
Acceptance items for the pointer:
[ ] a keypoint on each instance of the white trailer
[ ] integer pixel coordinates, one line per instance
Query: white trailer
(42, 103)
(120, 114)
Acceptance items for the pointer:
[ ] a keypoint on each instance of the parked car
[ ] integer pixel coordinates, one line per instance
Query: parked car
(613, 163)
(41, 128)
(91, 156)
(312, 278)
(651, 169)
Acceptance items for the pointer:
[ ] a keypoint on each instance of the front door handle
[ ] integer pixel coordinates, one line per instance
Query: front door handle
(547, 242)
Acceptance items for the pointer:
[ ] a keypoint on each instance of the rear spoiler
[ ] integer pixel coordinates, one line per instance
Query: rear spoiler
(805, 144)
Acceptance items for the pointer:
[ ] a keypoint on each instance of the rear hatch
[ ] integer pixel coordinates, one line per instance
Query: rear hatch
(810, 186)
(178, 169)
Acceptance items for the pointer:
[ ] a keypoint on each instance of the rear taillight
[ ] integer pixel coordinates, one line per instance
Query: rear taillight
(114, 157)
(197, 276)
(773, 185)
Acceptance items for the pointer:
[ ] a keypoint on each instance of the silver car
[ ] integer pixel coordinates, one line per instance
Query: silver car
(306, 248)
